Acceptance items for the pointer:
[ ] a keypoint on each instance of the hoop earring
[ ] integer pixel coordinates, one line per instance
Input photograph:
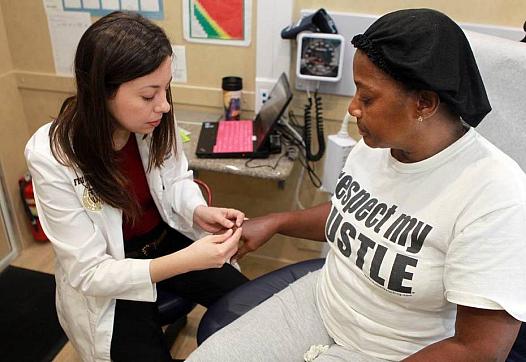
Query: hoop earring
(420, 119)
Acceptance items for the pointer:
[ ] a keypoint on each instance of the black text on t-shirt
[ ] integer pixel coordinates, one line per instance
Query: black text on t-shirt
(392, 227)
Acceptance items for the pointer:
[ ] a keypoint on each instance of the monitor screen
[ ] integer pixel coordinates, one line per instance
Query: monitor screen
(272, 109)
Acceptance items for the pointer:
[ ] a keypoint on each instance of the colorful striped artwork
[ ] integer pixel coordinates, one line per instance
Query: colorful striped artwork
(219, 20)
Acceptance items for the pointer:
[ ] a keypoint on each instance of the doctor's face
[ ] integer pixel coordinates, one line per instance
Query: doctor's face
(385, 111)
(139, 104)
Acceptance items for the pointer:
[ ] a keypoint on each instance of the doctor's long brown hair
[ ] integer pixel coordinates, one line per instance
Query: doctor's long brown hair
(115, 49)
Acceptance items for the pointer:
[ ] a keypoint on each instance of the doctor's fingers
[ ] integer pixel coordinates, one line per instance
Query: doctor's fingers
(233, 214)
(220, 237)
(230, 245)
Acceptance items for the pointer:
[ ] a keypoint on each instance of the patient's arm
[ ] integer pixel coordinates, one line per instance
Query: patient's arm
(480, 335)
(306, 224)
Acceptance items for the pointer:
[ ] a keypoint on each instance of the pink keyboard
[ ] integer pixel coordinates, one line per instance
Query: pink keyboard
(234, 136)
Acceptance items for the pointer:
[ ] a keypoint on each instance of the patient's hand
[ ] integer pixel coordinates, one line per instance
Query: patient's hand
(256, 232)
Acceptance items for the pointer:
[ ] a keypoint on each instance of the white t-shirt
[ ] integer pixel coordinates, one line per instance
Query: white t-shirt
(409, 241)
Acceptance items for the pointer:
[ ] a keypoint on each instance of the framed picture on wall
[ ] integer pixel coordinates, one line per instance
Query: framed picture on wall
(225, 22)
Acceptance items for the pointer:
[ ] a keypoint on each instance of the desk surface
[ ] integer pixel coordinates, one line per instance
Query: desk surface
(276, 167)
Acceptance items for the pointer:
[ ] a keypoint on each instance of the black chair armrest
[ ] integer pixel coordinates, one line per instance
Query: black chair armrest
(518, 351)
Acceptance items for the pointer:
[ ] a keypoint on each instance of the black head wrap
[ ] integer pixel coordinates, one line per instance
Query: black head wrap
(424, 49)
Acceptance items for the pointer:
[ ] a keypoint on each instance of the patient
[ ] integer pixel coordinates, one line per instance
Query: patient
(426, 226)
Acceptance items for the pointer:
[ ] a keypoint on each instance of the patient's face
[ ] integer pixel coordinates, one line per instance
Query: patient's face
(385, 111)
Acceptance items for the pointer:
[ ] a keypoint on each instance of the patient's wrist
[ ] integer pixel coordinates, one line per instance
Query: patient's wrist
(280, 222)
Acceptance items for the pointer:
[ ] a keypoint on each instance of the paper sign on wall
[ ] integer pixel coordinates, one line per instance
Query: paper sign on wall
(152, 9)
(65, 30)
(179, 64)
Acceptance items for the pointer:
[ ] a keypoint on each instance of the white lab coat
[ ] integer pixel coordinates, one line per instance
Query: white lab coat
(91, 271)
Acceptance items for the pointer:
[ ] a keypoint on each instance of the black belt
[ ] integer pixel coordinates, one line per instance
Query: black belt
(152, 247)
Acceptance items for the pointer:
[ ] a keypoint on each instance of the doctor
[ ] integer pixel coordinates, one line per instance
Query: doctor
(116, 198)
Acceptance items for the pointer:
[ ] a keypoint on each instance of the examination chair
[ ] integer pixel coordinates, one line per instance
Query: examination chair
(502, 64)
(249, 295)
(173, 309)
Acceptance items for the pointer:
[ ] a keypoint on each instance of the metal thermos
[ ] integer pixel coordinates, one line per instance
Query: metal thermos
(232, 97)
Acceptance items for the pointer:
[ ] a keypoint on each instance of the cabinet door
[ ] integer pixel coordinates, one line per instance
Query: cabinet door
(5, 246)
(6, 228)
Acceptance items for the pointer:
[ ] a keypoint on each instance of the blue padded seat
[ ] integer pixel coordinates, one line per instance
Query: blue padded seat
(247, 296)
(171, 306)
(172, 311)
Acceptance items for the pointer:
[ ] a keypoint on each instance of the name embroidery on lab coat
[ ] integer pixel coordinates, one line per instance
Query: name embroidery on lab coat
(91, 201)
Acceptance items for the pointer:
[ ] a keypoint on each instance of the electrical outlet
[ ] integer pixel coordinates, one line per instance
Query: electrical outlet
(261, 97)
(263, 94)
(263, 88)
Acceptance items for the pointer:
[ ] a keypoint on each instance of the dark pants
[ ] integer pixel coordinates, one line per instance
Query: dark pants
(137, 333)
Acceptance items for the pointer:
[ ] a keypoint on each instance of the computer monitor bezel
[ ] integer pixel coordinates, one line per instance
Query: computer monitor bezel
(260, 131)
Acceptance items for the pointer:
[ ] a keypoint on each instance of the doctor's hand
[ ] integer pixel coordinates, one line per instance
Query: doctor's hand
(256, 232)
(213, 251)
(214, 219)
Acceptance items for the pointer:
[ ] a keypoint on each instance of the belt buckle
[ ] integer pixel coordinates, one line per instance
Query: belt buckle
(148, 248)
